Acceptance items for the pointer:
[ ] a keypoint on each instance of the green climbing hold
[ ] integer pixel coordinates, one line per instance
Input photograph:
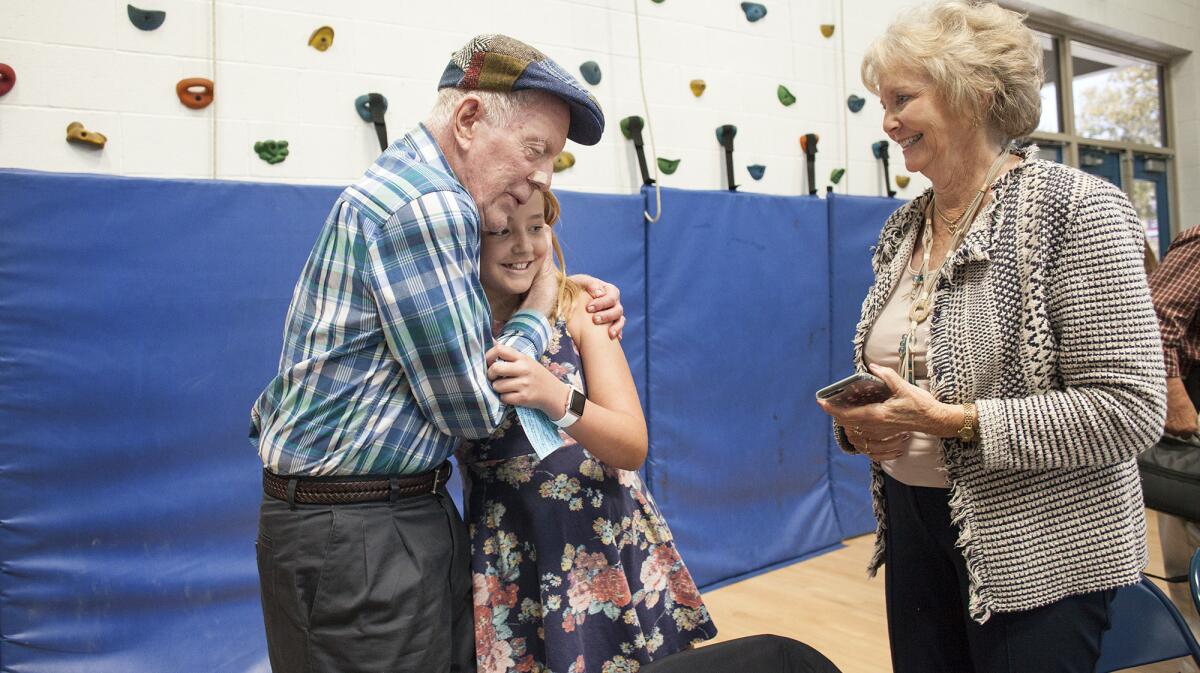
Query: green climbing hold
(271, 151)
(145, 19)
(668, 166)
(835, 176)
(657, 2)
(591, 72)
(785, 96)
(625, 125)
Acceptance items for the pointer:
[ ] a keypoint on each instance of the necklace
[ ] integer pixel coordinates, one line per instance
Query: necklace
(951, 224)
(921, 295)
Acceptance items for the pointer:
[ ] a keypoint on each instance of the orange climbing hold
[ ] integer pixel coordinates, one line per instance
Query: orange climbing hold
(79, 135)
(195, 92)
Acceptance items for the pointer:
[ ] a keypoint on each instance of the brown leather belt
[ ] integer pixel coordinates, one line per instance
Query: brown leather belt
(346, 490)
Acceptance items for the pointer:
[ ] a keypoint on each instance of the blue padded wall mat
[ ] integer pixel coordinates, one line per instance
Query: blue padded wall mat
(739, 341)
(141, 320)
(854, 224)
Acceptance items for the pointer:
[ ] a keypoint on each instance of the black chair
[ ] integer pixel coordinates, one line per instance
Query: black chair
(753, 654)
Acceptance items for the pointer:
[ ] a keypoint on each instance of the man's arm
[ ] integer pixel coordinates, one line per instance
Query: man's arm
(423, 268)
(1175, 288)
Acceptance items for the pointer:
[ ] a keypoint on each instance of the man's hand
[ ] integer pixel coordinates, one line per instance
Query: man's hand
(543, 294)
(604, 305)
(1181, 413)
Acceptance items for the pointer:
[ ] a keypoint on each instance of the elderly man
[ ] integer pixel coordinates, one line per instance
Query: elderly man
(363, 559)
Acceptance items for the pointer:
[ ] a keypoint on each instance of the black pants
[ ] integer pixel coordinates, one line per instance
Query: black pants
(371, 587)
(929, 628)
(752, 654)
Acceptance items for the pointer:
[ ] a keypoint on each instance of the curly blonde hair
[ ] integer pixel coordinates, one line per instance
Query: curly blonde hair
(980, 57)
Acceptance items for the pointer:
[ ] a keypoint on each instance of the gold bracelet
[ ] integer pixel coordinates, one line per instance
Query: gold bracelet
(969, 431)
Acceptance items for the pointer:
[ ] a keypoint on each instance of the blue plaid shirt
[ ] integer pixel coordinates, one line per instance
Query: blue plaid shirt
(383, 366)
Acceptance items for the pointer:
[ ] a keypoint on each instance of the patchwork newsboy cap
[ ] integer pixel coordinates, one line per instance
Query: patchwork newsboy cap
(500, 63)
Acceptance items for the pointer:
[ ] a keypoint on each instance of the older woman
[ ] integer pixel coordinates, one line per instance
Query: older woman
(1010, 318)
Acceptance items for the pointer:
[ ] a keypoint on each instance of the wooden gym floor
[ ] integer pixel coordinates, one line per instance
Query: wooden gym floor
(829, 603)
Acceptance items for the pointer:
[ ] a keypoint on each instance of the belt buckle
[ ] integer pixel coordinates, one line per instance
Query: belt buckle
(436, 473)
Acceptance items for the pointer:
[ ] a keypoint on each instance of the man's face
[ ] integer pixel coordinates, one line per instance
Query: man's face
(505, 165)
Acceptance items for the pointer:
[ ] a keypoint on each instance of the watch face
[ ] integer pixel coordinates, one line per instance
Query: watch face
(578, 400)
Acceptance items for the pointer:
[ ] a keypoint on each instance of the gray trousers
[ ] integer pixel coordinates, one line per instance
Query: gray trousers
(370, 587)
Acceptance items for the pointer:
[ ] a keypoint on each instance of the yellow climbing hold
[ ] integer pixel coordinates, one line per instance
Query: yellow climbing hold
(563, 161)
(901, 181)
(698, 86)
(79, 135)
(321, 39)
(827, 29)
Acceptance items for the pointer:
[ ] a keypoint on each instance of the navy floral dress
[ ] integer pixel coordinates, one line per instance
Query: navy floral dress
(573, 565)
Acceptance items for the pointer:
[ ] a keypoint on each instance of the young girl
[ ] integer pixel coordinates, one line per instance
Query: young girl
(573, 565)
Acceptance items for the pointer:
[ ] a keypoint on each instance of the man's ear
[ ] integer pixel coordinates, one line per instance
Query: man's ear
(467, 118)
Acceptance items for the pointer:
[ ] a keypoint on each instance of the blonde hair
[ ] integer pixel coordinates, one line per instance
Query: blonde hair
(980, 57)
(568, 289)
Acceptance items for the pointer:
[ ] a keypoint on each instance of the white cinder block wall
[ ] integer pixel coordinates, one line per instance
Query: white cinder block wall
(82, 60)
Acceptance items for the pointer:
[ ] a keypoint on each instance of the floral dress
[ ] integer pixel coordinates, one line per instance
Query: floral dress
(573, 565)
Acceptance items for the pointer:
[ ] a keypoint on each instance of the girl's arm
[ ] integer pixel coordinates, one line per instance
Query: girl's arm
(612, 427)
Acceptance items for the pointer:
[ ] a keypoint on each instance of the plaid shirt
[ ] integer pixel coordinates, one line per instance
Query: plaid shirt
(1175, 287)
(383, 366)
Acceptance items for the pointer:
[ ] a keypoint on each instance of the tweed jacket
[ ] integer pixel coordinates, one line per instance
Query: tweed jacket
(1043, 319)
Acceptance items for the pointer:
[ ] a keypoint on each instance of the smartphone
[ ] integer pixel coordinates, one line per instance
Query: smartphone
(855, 390)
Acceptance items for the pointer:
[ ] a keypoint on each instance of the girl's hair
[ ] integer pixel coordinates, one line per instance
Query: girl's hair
(568, 289)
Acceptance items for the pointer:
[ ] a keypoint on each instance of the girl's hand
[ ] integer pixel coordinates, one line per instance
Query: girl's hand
(522, 381)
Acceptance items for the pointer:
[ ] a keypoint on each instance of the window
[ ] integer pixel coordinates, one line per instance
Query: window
(1104, 111)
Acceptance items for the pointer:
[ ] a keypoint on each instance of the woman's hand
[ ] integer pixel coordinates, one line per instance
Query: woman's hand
(522, 381)
(882, 431)
(604, 303)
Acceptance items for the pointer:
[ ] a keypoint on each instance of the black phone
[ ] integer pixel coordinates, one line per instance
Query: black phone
(855, 390)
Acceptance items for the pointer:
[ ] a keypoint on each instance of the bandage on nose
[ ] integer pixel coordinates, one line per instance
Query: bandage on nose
(541, 179)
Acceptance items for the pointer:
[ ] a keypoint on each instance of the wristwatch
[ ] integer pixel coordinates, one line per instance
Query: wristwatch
(575, 406)
(967, 432)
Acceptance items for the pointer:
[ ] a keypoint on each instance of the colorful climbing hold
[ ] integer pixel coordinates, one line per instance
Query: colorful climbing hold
(657, 2)
(827, 29)
(145, 19)
(855, 103)
(195, 92)
(668, 166)
(754, 11)
(785, 96)
(698, 86)
(362, 105)
(625, 125)
(804, 139)
(901, 181)
(726, 131)
(563, 161)
(756, 171)
(879, 148)
(8, 77)
(271, 151)
(79, 135)
(321, 39)
(835, 176)
(590, 71)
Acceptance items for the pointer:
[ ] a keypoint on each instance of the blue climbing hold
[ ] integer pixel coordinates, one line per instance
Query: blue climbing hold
(145, 19)
(754, 11)
(855, 103)
(879, 148)
(363, 105)
(756, 171)
(591, 72)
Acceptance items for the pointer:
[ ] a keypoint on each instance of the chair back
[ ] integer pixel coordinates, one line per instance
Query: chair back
(1144, 627)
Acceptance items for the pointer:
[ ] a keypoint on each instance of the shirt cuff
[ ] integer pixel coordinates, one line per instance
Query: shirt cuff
(1171, 363)
(528, 332)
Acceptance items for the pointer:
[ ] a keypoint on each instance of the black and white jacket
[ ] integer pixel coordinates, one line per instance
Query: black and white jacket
(1043, 319)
